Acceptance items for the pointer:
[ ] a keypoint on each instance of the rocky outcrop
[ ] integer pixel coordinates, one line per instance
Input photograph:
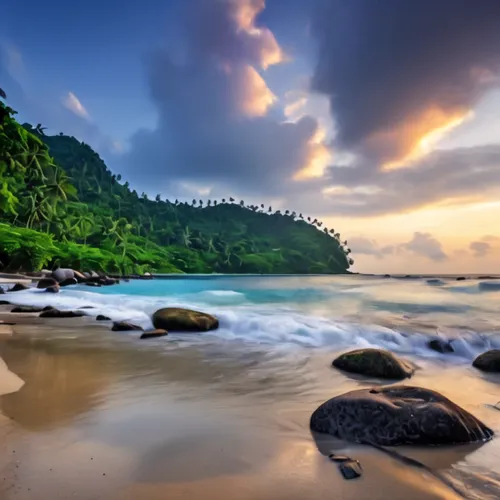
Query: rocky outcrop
(440, 345)
(123, 326)
(176, 319)
(4, 303)
(68, 282)
(19, 287)
(489, 361)
(374, 363)
(101, 317)
(46, 282)
(56, 313)
(398, 415)
(154, 333)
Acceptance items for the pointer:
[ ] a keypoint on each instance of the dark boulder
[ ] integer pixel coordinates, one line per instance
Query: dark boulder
(440, 345)
(348, 467)
(26, 309)
(60, 274)
(398, 415)
(374, 363)
(108, 281)
(68, 282)
(489, 361)
(53, 289)
(184, 320)
(4, 303)
(123, 326)
(46, 282)
(461, 278)
(19, 287)
(101, 317)
(154, 333)
(56, 313)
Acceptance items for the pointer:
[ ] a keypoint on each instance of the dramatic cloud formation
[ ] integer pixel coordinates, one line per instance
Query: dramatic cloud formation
(216, 124)
(71, 102)
(398, 71)
(425, 245)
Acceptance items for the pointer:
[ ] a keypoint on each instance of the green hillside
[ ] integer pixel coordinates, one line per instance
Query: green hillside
(60, 204)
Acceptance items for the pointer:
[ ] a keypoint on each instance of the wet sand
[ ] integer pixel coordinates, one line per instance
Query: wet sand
(103, 415)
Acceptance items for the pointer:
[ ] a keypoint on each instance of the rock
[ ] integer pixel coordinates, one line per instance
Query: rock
(26, 309)
(68, 282)
(349, 468)
(53, 289)
(440, 345)
(87, 307)
(108, 281)
(489, 361)
(375, 363)
(92, 283)
(461, 278)
(398, 415)
(434, 281)
(101, 317)
(4, 303)
(46, 282)
(62, 274)
(184, 320)
(18, 287)
(80, 277)
(55, 313)
(123, 326)
(154, 333)
(387, 276)
(2, 291)
(48, 308)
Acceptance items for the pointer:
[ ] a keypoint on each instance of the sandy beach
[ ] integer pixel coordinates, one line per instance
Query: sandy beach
(106, 416)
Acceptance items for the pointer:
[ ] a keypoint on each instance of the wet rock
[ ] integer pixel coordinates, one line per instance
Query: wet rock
(387, 276)
(53, 289)
(107, 281)
(184, 320)
(2, 291)
(18, 287)
(61, 274)
(56, 313)
(375, 363)
(93, 283)
(461, 278)
(440, 345)
(26, 309)
(154, 333)
(46, 282)
(348, 467)
(123, 326)
(4, 303)
(488, 361)
(398, 415)
(48, 308)
(101, 317)
(68, 282)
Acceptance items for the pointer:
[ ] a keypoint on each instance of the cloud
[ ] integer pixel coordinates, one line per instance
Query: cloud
(71, 102)
(398, 71)
(480, 248)
(365, 246)
(216, 118)
(425, 245)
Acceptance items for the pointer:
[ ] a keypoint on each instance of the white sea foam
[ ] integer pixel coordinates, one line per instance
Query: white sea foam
(265, 324)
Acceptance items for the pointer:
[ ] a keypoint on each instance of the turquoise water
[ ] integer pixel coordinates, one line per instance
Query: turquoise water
(312, 311)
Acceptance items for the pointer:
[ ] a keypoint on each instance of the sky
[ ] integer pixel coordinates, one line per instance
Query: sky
(381, 118)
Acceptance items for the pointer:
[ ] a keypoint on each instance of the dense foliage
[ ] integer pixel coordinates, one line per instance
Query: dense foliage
(60, 204)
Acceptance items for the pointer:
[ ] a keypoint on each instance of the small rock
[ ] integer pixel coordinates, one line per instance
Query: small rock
(4, 303)
(18, 287)
(53, 289)
(350, 469)
(375, 363)
(108, 281)
(461, 278)
(26, 309)
(123, 326)
(46, 283)
(488, 361)
(68, 282)
(2, 291)
(56, 313)
(154, 333)
(101, 317)
(92, 283)
(440, 345)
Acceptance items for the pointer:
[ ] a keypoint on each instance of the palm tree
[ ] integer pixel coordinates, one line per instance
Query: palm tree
(332, 231)
(193, 203)
(200, 203)
(3, 95)
(242, 203)
(215, 203)
(262, 206)
(223, 200)
(231, 200)
(8, 200)
(270, 209)
(209, 203)
(59, 186)
(39, 129)
(309, 219)
(301, 216)
(186, 237)
(158, 198)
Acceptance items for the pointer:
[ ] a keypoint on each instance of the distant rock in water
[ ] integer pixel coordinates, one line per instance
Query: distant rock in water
(440, 345)
(375, 363)
(101, 317)
(489, 361)
(153, 334)
(56, 313)
(184, 320)
(461, 278)
(46, 283)
(123, 326)
(398, 415)
(19, 287)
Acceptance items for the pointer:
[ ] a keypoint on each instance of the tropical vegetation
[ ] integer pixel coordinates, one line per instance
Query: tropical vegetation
(61, 205)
